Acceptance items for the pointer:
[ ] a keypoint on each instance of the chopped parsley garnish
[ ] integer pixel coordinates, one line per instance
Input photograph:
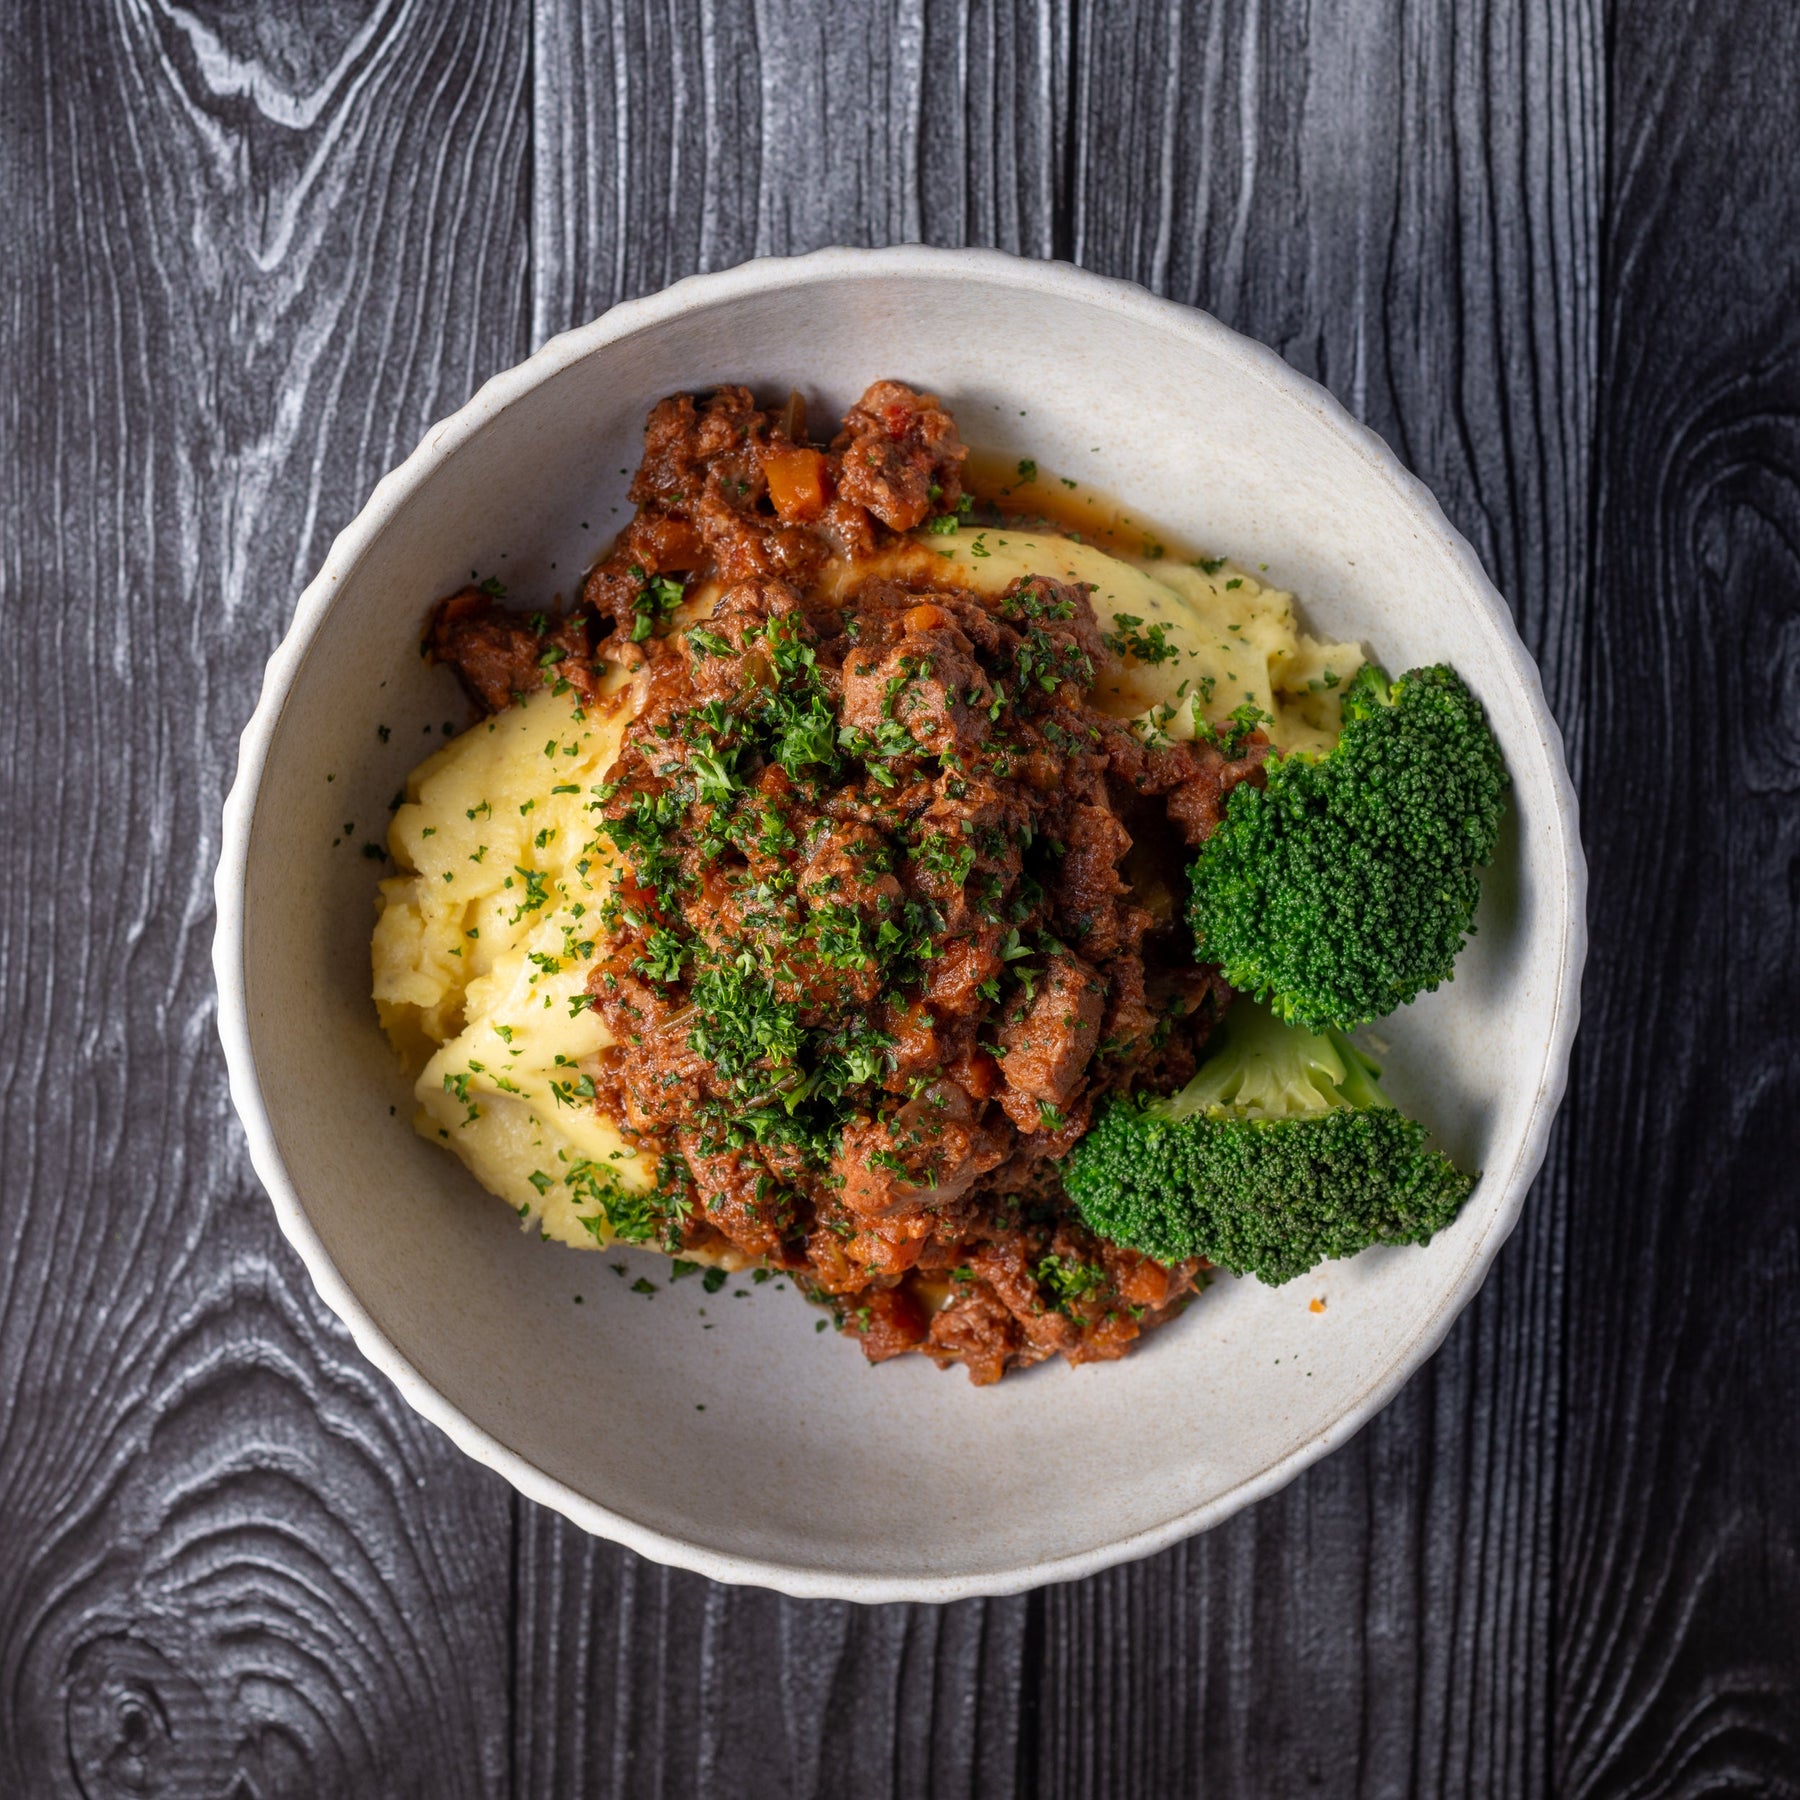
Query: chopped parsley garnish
(654, 601)
(1146, 644)
(536, 894)
(1067, 1283)
(782, 982)
(1233, 736)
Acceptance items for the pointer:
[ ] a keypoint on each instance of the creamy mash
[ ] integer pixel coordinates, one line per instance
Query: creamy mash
(481, 957)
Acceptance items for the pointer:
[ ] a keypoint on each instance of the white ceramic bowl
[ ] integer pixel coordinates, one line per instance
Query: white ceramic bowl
(808, 1470)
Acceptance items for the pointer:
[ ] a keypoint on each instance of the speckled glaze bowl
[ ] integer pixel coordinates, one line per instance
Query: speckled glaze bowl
(743, 1444)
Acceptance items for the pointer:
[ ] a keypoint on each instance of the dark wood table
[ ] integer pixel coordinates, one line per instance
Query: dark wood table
(1551, 249)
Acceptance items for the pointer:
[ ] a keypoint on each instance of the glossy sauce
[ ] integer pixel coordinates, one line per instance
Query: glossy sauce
(1046, 501)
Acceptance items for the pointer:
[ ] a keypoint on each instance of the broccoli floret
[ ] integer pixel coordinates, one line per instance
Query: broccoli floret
(1280, 1152)
(1348, 883)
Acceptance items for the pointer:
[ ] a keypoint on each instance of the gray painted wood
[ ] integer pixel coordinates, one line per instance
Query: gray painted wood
(1549, 253)
(232, 1561)
(1404, 201)
(1678, 1492)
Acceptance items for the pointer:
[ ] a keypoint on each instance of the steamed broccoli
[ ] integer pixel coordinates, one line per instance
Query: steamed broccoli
(1347, 884)
(1280, 1152)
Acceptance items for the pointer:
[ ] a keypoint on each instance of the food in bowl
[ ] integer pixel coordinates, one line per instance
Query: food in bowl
(878, 877)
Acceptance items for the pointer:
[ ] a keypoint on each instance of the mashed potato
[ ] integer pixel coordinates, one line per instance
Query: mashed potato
(484, 941)
(481, 958)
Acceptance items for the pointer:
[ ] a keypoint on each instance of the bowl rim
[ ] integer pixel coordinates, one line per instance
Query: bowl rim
(695, 293)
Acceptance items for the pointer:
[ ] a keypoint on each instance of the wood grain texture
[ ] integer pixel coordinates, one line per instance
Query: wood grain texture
(1550, 254)
(673, 139)
(1405, 202)
(771, 130)
(250, 258)
(640, 1680)
(1678, 1541)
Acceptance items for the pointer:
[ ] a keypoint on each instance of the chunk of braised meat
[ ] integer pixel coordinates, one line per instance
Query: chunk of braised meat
(1046, 1041)
(846, 864)
(967, 833)
(977, 1330)
(844, 1259)
(737, 1195)
(501, 655)
(1094, 902)
(899, 456)
(921, 677)
(739, 622)
(925, 1153)
(956, 983)
(1194, 780)
(888, 1247)
(1007, 1266)
(704, 468)
(728, 486)
(1024, 1295)
(702, 501)
(889, 1322)
(650, 1073)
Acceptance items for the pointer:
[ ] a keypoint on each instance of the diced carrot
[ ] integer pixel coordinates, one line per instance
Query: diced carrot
(925, 618)
(1315, 1305)
(665, 544)
(797, 484)
(1107, 1338)
(1137, 1280)
(915, 1040)
(978, 1075)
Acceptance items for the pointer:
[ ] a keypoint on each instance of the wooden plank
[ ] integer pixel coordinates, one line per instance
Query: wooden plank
(634, 1679)
(1404, 201)
(993, 145)
(1678, 1657)
(670, 140)
(647, 122)
(688, 136)
(249, 261)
